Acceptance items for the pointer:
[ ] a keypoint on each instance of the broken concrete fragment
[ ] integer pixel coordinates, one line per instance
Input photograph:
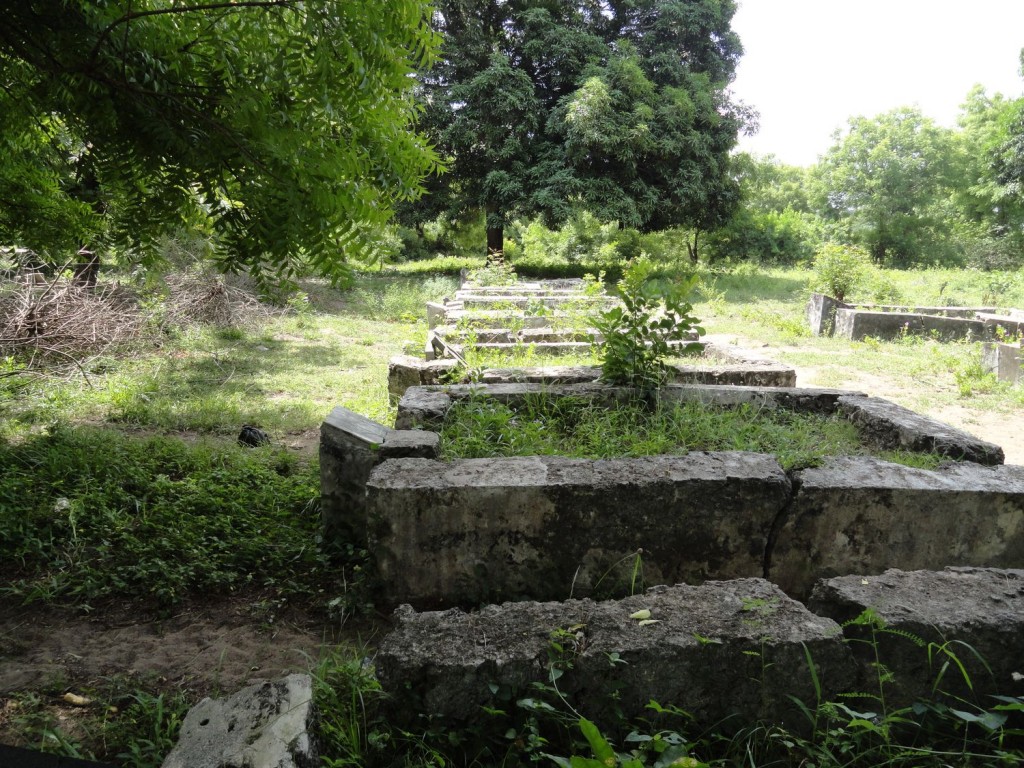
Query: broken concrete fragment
(1004, 360)
(892, 426)
(863, 515)
(422, 408)
(973, 614)
(263, 726)
(727, 652)
(545, 527)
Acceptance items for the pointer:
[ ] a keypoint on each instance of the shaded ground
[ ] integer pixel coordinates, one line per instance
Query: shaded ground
(208, 650)
(219, 646)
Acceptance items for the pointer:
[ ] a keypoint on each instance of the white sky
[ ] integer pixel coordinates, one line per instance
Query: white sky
(809, 65)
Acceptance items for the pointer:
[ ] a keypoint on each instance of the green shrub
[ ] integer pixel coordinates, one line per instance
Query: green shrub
(840, 270)
(646, 329)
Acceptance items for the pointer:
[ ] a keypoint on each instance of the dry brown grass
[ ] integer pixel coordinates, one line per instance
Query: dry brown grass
(57, 324)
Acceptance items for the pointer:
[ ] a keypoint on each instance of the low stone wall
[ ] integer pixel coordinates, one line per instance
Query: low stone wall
(864, 515)
(733, 366)
(485, 530)
(730, 653)
(465, 532)
(827, 316)
(856, 324)
(733, 649)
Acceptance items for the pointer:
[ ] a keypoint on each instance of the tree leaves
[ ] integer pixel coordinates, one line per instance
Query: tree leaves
(622, 111)
(284, 123)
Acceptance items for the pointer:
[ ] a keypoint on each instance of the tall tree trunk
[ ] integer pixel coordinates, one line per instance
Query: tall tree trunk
(691, 248)
(87, 270)
(495, 237)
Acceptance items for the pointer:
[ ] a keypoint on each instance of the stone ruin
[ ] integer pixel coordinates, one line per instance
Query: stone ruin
(993, 326)
(503, 319)
(729, 653)
(830, 317)
(757, 572)
(474, 530)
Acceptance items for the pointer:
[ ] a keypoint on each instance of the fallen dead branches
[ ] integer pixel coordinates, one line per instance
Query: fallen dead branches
(199, 298)
(58, 323)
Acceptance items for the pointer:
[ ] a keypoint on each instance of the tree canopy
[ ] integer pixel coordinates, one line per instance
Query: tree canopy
(886, 178)
(283, 124)
(620, 107)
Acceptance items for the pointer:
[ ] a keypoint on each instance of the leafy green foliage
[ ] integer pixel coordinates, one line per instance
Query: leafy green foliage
(889, 179)
(649, 326)
(282, 125)
(87, 514)
(541, 108)
(840, 270)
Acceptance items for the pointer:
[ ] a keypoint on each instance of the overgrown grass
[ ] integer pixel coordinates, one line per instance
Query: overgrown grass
(128, 721)
(88, 514)
(572, 426)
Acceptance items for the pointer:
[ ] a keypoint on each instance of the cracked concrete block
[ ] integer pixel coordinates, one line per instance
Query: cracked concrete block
(263, 726)
(727, 652)
(976, 614)
(863, 515)
(476, 530)
(1004, 360)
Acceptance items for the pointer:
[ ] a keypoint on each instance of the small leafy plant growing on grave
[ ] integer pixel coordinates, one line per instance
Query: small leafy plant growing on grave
(494, 274)
(647, 328)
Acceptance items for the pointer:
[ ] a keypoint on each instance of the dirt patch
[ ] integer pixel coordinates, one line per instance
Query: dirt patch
(219, 646)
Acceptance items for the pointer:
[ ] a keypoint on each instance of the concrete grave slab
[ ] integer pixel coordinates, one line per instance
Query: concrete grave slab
(728, 652)
(864, 515)
(966, 611)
